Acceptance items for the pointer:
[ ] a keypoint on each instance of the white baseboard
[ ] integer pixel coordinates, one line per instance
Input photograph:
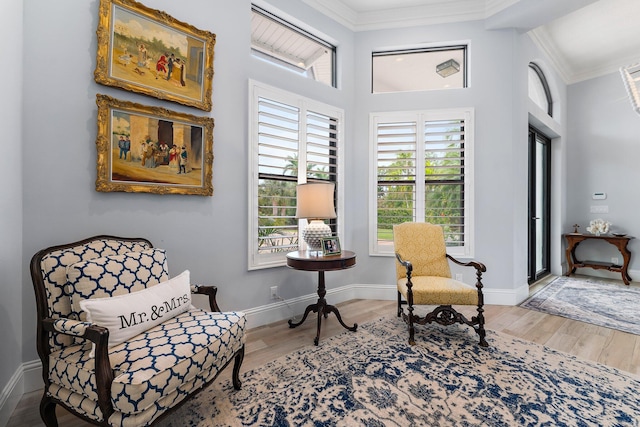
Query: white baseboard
(10, 396)
(28, 376)
(32, 376)
(506, 296)
(282, 310)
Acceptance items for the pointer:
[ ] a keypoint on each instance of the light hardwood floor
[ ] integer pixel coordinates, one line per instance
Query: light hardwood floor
(613, 348)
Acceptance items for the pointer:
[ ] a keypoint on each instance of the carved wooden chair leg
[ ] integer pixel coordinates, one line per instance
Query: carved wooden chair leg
(480, 330)
(48, 411)
(399, 304)
(237, 384)
(412, 329)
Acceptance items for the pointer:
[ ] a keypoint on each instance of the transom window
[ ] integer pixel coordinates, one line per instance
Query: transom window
(294, 140)
(423, 171)
(284, 44)
(419, 69)
(539, 91)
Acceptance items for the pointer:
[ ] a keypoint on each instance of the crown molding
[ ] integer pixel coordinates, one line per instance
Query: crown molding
(604, 69)
(337, 11)
(494, 6)
(543, 40)
(444, 11)
(440, 13)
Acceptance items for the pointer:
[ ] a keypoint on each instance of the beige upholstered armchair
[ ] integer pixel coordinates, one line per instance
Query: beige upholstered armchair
(120, 342)
(424, 278)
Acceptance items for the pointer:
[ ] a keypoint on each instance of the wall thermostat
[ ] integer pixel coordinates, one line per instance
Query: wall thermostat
(599, 196)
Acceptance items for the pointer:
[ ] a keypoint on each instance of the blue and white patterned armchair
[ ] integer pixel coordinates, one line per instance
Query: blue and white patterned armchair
(135, 380)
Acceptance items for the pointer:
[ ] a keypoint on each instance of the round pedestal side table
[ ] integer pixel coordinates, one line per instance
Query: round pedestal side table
(315, 261)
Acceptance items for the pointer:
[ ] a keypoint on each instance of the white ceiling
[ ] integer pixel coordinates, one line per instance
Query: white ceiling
(583, 38)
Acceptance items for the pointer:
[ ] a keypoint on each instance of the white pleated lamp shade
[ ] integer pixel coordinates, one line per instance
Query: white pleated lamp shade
(315, 201)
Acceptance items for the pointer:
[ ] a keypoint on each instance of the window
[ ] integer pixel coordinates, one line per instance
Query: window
(422, 170)
(419, 69)
(539, 90)
(294, 140)
(282, 43)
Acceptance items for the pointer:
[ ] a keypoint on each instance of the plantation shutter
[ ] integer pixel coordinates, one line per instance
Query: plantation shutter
(444, 147)
(321, 153)
(420, 174)
(278, 135)
(396, 172)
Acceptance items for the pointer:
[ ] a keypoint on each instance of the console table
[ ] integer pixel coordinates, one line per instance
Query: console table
(312, 261)
(620, 242)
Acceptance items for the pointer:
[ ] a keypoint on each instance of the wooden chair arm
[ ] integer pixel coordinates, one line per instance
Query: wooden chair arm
(480, 268)
(210, 291)
(407, 264)
(76, 328)
(475, 264)
(100, 337)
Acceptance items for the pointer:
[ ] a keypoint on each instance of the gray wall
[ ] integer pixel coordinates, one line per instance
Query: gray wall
(554, 128)
(603, 154)
(498, 64)
(207, 235)
(11, 262)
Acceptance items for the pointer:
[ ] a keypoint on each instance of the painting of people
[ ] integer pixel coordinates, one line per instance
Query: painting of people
(141, 50)
(150, 149)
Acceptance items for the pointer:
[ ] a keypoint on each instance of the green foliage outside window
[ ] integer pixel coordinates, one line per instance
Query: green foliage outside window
(277, 225)
(444, 193)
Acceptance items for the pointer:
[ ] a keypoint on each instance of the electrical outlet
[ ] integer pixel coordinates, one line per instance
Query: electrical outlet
(615, 261)
(459, 277)
(274, 292)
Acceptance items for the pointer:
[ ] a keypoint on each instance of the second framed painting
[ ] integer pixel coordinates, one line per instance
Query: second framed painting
(145, 149)
(147, 51)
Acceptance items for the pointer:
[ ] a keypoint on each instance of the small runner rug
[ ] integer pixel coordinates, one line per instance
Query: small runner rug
(373, 377)
(590, 300)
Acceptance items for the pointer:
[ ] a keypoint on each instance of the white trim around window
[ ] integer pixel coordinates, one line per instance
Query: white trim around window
(427, 159)
(292, 140)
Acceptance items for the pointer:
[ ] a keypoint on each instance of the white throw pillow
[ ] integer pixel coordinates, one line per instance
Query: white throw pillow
(129, 315)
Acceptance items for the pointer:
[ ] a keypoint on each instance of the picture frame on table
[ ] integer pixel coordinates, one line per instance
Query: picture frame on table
(331, 246)
(147, 51)
(142, 149)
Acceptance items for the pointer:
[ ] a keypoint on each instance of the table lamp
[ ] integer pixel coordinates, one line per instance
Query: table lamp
(315, 203)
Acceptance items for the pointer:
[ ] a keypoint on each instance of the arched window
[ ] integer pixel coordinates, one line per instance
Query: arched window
(631, 79)
(539, 88)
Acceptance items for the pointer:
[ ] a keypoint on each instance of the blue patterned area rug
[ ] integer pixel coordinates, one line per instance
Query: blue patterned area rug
(590, 300)
(373, 377)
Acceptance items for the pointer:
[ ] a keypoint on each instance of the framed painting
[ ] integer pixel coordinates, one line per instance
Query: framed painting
(331, 246)
(147, 51)
(152, 150)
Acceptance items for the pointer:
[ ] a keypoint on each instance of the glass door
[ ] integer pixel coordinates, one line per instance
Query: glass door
(539, 205)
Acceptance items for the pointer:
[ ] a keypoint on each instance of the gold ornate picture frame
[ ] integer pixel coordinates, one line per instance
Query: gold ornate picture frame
(145, 149)
(146, 51)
